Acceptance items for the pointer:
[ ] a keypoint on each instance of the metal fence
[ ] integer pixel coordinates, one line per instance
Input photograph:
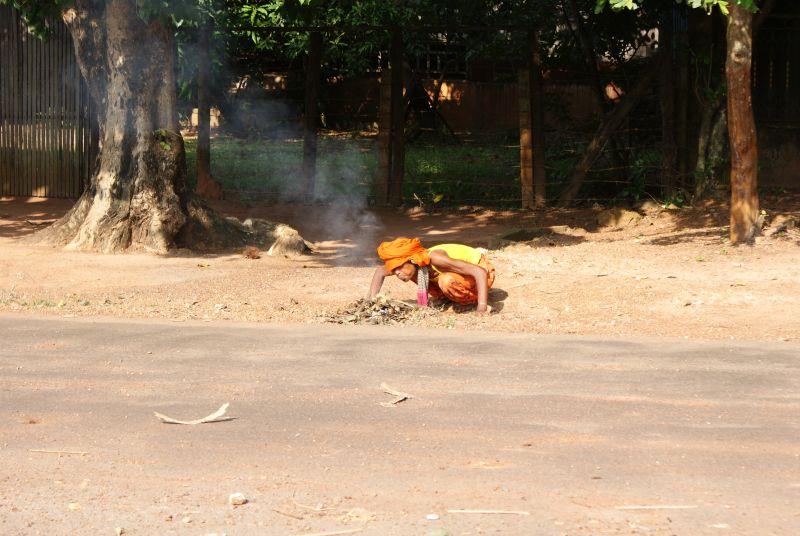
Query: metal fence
(462, 132)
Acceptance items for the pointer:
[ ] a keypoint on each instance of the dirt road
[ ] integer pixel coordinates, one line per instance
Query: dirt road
(578, 432)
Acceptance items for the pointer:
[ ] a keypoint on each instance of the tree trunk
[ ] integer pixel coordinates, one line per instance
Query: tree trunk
(206, 185)
(537, 122)
(526, 172)
(741, 126)
(311, 116)
(710, 147)
(137, 195)
(682, 103)
(669, 158)
(398, 121)
(384, 168)
(531, 130)
(607, 129)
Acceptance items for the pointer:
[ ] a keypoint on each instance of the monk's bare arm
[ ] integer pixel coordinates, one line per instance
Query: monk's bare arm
(377, 281)
(445, 263)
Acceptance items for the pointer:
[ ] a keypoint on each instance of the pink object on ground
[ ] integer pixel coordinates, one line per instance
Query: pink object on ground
(422, 298)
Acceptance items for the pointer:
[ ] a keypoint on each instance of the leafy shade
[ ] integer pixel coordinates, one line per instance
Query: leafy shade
(37, 13)
(708, 5)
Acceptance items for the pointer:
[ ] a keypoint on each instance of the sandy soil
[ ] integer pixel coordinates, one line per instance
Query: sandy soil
(666, 273)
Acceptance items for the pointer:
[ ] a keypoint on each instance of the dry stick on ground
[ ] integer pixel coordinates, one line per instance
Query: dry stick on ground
(60, 452)
(332, 533)
(656, 507)
(301, 518)
(607, 128)
(399, 394)
(39, 223)
(513, 512)
(217, 416)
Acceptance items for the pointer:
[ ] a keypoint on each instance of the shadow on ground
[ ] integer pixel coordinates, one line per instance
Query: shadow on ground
(21, 216)
(348, 235)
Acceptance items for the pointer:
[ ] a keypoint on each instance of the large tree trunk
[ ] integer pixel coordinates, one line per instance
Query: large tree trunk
(741, 126)
(206, 185)
(137, 196)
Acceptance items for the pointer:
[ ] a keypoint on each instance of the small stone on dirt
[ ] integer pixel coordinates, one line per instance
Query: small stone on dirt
(237, 499)
(74, 506)
(251, 252)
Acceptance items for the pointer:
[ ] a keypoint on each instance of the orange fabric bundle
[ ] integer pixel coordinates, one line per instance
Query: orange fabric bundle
(458, 288)
(400, 251)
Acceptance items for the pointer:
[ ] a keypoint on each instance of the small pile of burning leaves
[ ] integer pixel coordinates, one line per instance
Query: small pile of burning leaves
(379, 310)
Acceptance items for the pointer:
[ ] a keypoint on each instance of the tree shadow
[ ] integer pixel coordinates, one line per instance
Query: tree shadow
(714, 235)
(540, 237)
(347, 234)
(20, 216)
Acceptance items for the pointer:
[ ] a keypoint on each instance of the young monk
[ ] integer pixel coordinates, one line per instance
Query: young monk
(461, 274)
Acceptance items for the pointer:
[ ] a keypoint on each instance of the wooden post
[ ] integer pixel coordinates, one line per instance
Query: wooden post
(313, 68)
(667, 87)
(398, 120)
(531, 130)
(525, 139)
(537, 123)
(680, 68)
(384, 169)
(206, 185)
(741, 126)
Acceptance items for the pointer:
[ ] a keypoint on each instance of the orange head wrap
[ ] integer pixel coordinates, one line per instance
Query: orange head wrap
(402, 250)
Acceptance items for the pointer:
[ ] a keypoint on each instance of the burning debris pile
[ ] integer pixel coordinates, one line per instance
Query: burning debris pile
(379, 310)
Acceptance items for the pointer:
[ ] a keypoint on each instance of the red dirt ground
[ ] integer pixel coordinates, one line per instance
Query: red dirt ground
(668, 273)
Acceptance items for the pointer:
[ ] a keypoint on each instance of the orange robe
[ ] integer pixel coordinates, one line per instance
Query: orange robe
(458, 288)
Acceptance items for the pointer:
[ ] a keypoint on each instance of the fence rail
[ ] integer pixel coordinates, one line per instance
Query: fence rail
(45, 132)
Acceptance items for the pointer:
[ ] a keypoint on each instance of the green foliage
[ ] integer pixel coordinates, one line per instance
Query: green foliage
(645, 167)
(36, 13)
(679, 198)
(708, 5)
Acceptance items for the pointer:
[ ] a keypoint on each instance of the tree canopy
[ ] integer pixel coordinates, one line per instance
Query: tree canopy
(708, 5)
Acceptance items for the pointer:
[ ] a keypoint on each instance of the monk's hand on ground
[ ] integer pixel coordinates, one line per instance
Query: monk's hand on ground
(483, 309)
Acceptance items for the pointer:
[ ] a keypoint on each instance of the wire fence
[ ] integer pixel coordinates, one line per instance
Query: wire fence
(462, 137)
